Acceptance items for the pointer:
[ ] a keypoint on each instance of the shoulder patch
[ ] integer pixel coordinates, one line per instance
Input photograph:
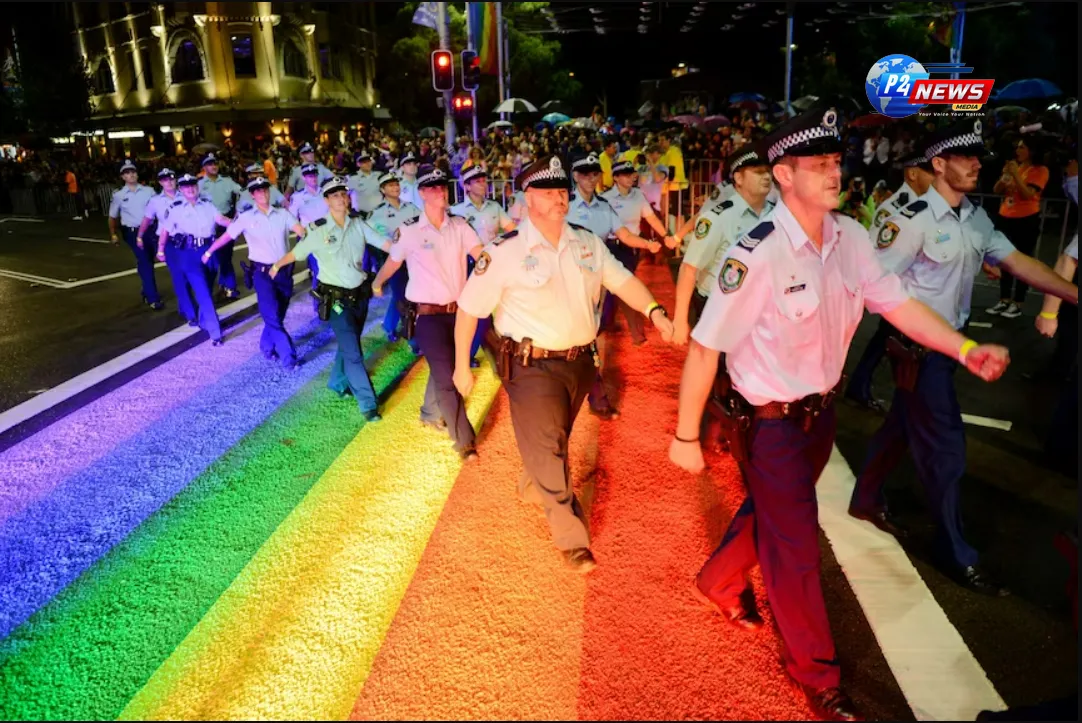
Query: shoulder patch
(715, 194)
(381, 205)
(914, 208)
(483, 261)
(411, 221)
(320, 221)
(886, 236)
(883, 215)
(732, 275)
(504, 236)
(702, 228)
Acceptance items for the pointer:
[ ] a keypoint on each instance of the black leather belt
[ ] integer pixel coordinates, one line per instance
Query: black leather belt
(337, 293)
(433, 309)
(524, 349)
(809, 406)
(188, 241)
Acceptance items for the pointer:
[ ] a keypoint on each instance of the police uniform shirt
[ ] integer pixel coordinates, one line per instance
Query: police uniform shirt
(937, 255)
(785, 312)
(199, 219)
(548, 294)
(296, 179)
(410, 191)
(158, 206)
(130, 205)
(308, 205)
(630, 207)
(221, 191)
(517, 208)
(597, 216)
(435, 257)
(265, 233)
(717, 228)
(386, 219)
(893, 205)
(364, 191)
(246, 202)
(487, 221)
(339, 250)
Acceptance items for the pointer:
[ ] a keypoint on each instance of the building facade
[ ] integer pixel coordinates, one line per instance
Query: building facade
(167, 76)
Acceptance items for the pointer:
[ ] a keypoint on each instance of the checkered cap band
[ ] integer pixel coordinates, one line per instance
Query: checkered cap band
(127, 166)
(799, 138)
(309, 168)
(623, 167)
(433, 177)
(961, 141)
(553, 171)
(472, 173)
(742, 160)
(306, 148)
(209, 158)
(408, 158)
(254, 168)
(257, 183)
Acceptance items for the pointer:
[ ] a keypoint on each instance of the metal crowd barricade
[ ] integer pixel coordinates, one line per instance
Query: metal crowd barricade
(55, 200)
(1053, 210)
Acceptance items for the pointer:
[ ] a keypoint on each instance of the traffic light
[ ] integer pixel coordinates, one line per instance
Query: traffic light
(443, 70)
(462, 106)
(471, 70)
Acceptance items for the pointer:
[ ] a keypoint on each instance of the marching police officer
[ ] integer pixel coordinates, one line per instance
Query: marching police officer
(588, 209)
(936, 245)
(246, 202)
(364, 185)
(308, 156)
(543, 283)
(339, 242)
(222, 192)
(307, 205)
(188, 228)
(153, 221)
(517, 209)
(129, 206)
(434, 246)
(266, 230)
(791, 292)
(386, 219)
(407, 172)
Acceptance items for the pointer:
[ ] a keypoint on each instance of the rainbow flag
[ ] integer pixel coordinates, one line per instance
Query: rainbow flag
(483, 23)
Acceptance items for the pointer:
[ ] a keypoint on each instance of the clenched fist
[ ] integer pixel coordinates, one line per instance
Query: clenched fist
(988, 361)
(687, 455)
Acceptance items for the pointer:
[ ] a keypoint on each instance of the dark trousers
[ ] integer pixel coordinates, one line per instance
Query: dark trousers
(194, 278)
(397, 285)
(545, 398)
(928, 421)
(273, 297)
(629, 257)
(221, 264)
(1023, 233)
(436, 338)
(348, 370)
(1061, 446)
(181, 287)
(778, 526)
(144, 264)
(860, 384)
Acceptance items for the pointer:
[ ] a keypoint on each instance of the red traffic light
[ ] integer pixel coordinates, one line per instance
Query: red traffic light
(471, 70)
(443, 70)
(443, 60)
(462, 105)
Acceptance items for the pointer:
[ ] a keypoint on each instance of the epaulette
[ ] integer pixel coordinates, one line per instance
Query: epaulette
(571, 198)
(355, 214)
(914, 208)
(903, 199)
(504, 236)
(727, 203)
(320, 221)
(599, 196)
(755, 237)
(381, 205)
(576, 226)
(411, 221)
(176, 202)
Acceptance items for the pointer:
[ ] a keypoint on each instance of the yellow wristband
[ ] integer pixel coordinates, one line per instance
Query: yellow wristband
(1048, 315)
(650, 309)
(967, 346)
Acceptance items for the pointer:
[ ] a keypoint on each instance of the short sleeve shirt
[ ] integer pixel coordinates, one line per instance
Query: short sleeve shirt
(386, 219)
(339, 250)
(893, 205)
(435, 257)
(364, 191)
(129, 205)
(717, 228)
(198, 219)
(487, 221)
(631, 208)
(157, 207)
(308, 206)
(246, 202)
(221, 191)
(296, 179)
(597, 215)
(266, 234)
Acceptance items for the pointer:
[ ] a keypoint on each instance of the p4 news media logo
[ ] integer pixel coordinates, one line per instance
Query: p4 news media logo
(899, 86)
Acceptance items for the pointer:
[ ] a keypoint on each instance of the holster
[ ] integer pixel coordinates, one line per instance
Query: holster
(409, 318)
(323, 310)
(734, 414)
(905, 360)
(501, 348)
(249, 273)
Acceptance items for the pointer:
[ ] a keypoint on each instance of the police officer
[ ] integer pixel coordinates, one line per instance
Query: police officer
(364, 185)
(153, 221)
(128, 207)
(296, 180)
(339, 241)
(246, 202)
(718, 225)
(543, 282)
(222, 191)
(385, 219)
(266, 230)
(307, 205)
(918, 177)
(188, 228)
(434, 246)
(791, 292)
(936, 245)
(517, 208)
(486, 216)
(407, 172)
(593, 212)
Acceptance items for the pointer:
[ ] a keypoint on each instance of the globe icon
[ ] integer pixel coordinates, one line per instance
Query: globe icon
(902, 65)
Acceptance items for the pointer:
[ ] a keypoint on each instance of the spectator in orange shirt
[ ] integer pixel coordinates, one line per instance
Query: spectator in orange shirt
(76, 197)
(269, 170)
(1021, 184)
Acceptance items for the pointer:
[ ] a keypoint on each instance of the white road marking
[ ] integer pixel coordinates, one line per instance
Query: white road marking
(31, 279)
(981, 324)
(23, 219)
(936, 671)
(51, 397)
(90, 240)
(987, 422)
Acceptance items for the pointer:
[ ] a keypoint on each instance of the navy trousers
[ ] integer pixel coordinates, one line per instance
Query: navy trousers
(778, 527)
(181, 287)
(436, 338)
(393, 315)
(348, 371)
(194, 278)
(273, 297)
(221, 264)
(927, 421)
(313, 267)
(144, 264)
(860, 384)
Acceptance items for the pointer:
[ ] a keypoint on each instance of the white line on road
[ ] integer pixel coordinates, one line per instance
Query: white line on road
(23, 219)
(987, 422)
(31, 279)
(62, 392)
(936, 671)
(90, 240)
(981, 324)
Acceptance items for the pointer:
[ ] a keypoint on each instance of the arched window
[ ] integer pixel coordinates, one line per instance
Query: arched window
(103, 78)
(293, 59)
(187, 65)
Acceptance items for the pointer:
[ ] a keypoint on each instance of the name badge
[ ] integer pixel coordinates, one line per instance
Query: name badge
(942, 237)
(796, 288)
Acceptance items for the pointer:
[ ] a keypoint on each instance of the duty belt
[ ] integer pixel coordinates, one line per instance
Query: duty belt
(187, 240)
(337, 293)
(432, 309)
(809, 407)
(526, 350)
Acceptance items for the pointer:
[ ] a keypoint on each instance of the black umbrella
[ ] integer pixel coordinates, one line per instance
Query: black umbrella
(556, 106)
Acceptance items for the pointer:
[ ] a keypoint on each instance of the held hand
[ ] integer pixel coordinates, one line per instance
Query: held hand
(463, 379)
(273, 271)
(653, 247)
(687, 455)
(664, 325)
(139, 242)
(992, 272)
(161, 255)
(681, 333)
(672, 242)
(377, 290)
(988, 361)
(1047, 327)
(205, 258)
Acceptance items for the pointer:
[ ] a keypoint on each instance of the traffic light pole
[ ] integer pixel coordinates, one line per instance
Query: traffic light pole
(471, 46)
(443, 22)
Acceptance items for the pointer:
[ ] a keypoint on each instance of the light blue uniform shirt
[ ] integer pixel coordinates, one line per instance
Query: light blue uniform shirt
(308, 206)
(221, 191)
(937, 255)
(720, 224)
(339, 250)
(386, 219)
(266, 234)
(631, 208)
(157, 207)
(296, 180)
(598, 215)
(893, 205)
(130, 205)
(247, 203)
(198, 219)
(364, 191)
(410, 192)
(486, 221)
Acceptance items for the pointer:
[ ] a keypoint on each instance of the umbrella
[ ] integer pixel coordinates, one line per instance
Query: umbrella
(205, 148)
(515, 105)
(871, 120)
(1028, 88)
(498, 124)
(713, 122)
(555, 106)
(1010, 110)
(430, 132)
(741, 97)
(645, 108)
(805, 102)
(689, 119)
(583, 122)
(749, 105)
(555, 118)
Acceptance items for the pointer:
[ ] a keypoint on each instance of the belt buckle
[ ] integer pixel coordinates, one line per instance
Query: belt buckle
(785, 409)
(573, 353)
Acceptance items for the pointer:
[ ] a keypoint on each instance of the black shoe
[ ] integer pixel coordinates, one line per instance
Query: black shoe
(975, 579)
(193, 322)
(469, 454)
(830, 704)
(372, 416)
(437, 424)
(883, 520)
(736, 614)
(157, 306)
(232, 295)
(217, 342)
(606, 413)
(580, 559)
